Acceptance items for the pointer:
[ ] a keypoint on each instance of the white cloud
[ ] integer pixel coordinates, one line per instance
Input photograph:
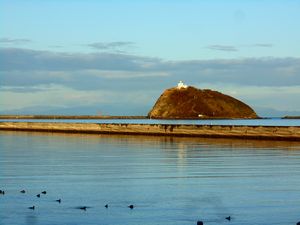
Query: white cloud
(225, 48)
(31, 77)
(14, 41)
(115, 47)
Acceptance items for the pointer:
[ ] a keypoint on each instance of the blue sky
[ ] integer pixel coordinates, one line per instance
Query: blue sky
(116, 57)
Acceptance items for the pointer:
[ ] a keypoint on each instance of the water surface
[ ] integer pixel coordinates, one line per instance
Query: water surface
(169, 180)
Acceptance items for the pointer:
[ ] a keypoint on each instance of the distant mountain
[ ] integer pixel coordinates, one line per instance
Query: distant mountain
(190, 102)
(269, 112)
(103, 109)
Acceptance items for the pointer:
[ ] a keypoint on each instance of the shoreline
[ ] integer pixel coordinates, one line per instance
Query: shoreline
(291, 133)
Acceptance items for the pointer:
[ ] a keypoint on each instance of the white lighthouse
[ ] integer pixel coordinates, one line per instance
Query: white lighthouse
(181, 85)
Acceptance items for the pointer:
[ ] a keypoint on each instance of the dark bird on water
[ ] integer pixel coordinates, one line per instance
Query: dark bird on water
(131, 206)
(106, 206)
(2, 192)
(83, 207)
(23, 191)
(200, 223)
(298, 223)
(44, 192)
(38, 195)
(228, 218)
(58, 200)
(32, 207)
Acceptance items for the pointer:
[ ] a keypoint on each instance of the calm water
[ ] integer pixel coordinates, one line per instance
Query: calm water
(174, 181)
(246, 122)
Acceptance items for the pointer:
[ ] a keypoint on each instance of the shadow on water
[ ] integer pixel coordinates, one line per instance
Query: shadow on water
(31, 219)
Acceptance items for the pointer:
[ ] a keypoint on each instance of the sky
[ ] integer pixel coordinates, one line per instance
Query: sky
(116, 57)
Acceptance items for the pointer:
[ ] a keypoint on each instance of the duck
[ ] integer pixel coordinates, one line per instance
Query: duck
(32, 207)
(131, 206)
(23, 191)
(83, 208)
(106, 206)
(2, 192)
(200, 222)
(44, 192)
(38, 195)
(228, 218)
(58, 200)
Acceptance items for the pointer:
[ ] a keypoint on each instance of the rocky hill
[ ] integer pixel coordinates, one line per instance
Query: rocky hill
(192, 103)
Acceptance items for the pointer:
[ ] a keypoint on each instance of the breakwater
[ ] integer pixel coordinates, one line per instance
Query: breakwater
(222, 131)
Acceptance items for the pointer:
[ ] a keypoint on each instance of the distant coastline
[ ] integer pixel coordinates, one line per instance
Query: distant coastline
(112, 117)
(86, 117)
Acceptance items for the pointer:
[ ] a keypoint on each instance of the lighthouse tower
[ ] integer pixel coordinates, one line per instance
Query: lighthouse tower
(181, 85)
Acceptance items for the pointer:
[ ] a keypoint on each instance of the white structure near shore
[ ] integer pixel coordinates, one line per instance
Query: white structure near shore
(181, 85)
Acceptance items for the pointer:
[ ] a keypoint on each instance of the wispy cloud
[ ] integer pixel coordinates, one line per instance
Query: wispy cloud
(232, 48)
(20, 59)
(225, 48)
(14, 41)
(263, 45)
(117, 46)
(24, 89)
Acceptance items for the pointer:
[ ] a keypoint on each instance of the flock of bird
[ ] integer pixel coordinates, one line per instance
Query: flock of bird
(2, 192)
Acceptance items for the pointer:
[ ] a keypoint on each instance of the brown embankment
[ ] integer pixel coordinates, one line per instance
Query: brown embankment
(291, 117)
(247, 132)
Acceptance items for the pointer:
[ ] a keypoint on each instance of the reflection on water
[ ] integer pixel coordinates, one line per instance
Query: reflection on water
(170, 180)
(31, 219)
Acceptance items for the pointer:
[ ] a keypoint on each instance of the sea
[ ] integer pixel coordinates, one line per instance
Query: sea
(168, 180)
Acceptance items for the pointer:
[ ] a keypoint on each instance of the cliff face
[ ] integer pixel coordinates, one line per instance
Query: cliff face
(190, 102)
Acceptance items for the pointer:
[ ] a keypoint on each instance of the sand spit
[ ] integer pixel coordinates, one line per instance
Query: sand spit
(220, 131)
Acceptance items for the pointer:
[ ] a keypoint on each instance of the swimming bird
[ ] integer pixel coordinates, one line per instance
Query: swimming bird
(228, 218)
(298, 223)
(83, 207)
(106, 206)
(38, 195)
(58, 200)
(199, 223)
(44, 192)
(2, 192)
(23, 191)
(131, 206)
(32, 207)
